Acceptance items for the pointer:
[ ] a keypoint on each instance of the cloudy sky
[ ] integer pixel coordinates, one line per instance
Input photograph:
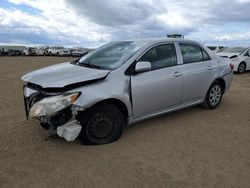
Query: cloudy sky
(92, 23)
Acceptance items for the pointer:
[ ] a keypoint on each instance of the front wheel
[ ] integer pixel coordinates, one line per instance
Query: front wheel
(101, 124)
(214, 95)
(241, 68)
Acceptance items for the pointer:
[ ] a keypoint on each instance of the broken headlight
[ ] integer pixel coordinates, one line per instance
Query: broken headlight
(234, 58)
(51, 105)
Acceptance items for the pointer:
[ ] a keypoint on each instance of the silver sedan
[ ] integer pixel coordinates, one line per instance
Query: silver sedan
(123, 82)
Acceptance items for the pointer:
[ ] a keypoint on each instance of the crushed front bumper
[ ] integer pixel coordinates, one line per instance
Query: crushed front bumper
(69, 130)
(63, 123)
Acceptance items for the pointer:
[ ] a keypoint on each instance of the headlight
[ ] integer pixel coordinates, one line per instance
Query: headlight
(235, 59)
(51, 105)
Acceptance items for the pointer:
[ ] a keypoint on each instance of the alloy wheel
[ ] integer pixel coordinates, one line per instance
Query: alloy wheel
(215, 95)
(241, 68)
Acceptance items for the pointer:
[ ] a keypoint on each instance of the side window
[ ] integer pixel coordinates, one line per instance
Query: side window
(205, 56)
(247, 53)
(193, 53)
(161, 56)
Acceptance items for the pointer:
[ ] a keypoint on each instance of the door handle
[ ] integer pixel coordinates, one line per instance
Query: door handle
(210, 67)
(177, 74)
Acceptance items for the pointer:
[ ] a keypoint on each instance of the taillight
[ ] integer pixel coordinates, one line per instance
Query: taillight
(231, 66)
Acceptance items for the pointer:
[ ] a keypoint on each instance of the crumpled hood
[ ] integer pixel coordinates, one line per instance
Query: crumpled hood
(63, 74)
(223, 54)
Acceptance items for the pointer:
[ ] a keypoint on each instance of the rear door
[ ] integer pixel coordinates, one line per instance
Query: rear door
(198, 71)
(159, 88)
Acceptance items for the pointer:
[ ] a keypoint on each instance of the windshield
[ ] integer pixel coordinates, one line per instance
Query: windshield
(212, 47)
(234, 50)
(112, 55)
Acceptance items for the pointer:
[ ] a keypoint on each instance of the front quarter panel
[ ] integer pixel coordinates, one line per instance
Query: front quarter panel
(237, 63)
(114, 86)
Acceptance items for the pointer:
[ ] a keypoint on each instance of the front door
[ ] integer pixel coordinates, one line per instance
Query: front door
(160, 88)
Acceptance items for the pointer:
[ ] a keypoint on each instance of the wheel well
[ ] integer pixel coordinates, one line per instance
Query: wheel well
(243, 63)
(117, 103)
(222, 81)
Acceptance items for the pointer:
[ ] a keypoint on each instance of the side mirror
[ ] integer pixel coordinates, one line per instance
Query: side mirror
(142, 66)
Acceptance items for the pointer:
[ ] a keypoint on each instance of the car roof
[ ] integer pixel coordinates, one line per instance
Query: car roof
(158, 40)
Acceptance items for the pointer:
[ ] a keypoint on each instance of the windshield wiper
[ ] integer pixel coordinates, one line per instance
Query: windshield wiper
(89, 65)
(77, 62)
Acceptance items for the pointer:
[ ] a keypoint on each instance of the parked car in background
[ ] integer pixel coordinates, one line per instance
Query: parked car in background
(239, 56)
(78, 52)
(29, 51)
(2, 52)
(12, 52)
(216, 49)
(124, 82)
(65, 52)
(43, 50)
(55, 50)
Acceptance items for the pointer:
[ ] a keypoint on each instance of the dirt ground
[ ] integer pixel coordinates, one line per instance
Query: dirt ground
(190, 148)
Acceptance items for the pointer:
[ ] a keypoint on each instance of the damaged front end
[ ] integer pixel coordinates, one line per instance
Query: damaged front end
(53, 110)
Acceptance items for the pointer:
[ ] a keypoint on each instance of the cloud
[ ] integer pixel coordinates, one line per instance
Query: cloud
(56, 23)
(157, 18)
(94, 22)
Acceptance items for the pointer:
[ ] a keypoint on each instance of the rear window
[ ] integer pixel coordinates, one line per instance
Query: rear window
(193, 53)
(234, 50)
(212, 47)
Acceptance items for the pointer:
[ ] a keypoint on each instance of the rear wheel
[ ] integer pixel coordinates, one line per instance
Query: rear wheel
(241, 68)
(101, 124)
(214, 95)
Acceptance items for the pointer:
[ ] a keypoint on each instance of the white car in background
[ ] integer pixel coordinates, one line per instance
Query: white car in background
(78, 52)
(55, 50)
(42, 50)
(29, 51)
(240, 57)
(216, 49)
(65, 52)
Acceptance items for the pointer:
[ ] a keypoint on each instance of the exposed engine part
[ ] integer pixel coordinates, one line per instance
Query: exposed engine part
(59, 119)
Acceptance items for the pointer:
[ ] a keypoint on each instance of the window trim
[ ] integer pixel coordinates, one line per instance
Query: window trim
(246, 52)
(131, 69)
(200, 47)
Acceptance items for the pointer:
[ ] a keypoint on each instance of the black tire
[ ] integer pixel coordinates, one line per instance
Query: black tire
(45, 125)
(214, 96)
(241, 68)
(101, 124)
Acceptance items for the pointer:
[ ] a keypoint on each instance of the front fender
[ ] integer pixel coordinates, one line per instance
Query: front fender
(110, 88)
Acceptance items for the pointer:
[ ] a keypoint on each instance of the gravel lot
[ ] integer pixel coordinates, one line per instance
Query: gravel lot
(190, 148)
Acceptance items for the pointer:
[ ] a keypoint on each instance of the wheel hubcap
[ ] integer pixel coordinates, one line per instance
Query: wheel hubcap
(242, 68)
(101, 126)
(215, 95)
